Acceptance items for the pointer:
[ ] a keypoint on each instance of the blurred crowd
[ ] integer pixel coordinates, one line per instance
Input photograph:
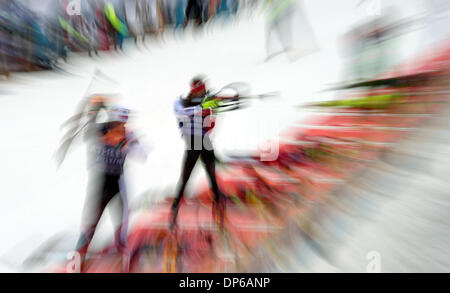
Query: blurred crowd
(33, 36)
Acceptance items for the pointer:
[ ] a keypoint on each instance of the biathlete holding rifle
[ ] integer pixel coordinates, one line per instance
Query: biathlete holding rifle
(195, 116)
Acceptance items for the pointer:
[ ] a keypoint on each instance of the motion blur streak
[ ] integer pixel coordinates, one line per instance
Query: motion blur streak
(331, 146)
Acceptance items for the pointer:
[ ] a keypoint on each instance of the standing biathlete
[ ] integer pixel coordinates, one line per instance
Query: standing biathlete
(196, 122)
(112, 141)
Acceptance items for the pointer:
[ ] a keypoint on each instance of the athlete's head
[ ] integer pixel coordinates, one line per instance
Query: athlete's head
(119, 114)
(198, 87)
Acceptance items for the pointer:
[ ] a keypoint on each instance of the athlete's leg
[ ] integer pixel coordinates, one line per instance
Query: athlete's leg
(209, 159)
(121, 236)
(190, 158)
(284, 31)
(121, 215)
(271, 28)
(93, 209)
(218, 208)
(90, 222)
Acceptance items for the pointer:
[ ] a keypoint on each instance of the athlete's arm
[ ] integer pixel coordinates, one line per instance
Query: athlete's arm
(134, 147)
